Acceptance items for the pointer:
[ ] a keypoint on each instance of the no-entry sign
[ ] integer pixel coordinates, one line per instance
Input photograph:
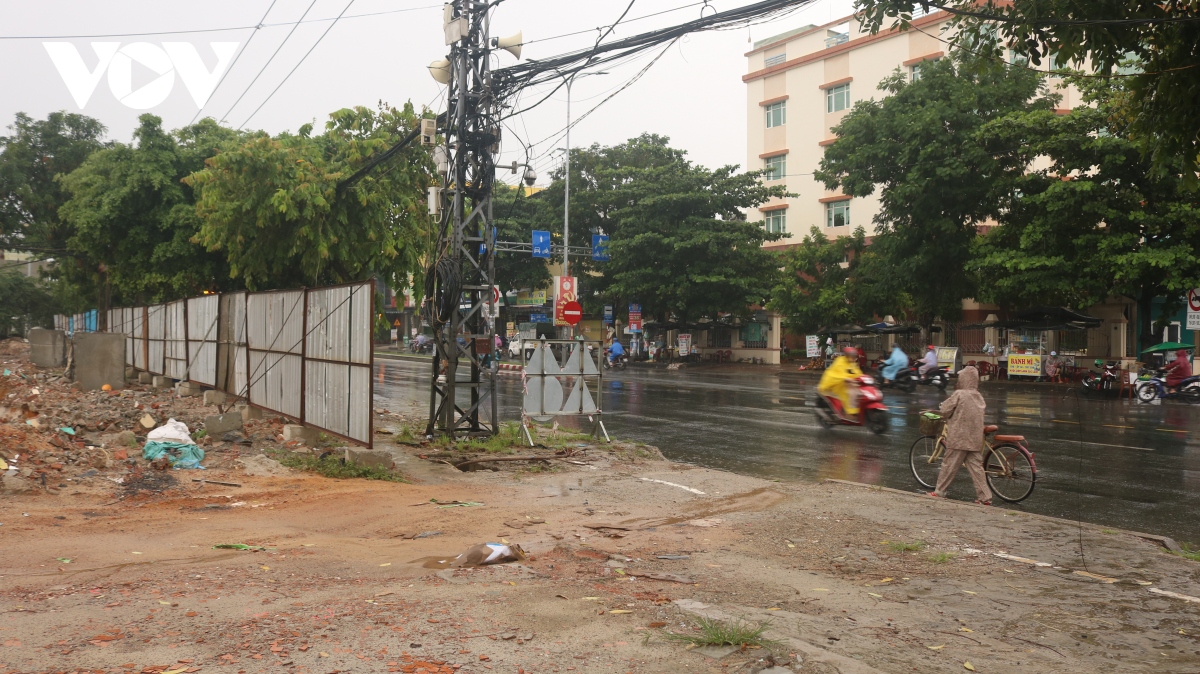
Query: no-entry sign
(572, 312)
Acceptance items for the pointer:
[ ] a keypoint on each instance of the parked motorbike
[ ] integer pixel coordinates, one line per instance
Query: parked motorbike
(1156, 388)
(939, 377)
(872, 413)
(1106, 381)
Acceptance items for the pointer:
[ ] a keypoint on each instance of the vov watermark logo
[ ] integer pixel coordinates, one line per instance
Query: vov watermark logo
(171, 58)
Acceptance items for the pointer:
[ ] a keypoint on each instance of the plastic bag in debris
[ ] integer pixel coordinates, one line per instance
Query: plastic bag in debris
(489, 553)
(181, 455)
(172, 431)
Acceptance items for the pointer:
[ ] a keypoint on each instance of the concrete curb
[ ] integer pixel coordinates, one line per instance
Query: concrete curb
(1165, 541)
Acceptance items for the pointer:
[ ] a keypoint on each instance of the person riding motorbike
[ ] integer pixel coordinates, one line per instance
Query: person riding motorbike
(1178, 370)
(897, 361)
(930, 362)
(838, 380)
(615, 351)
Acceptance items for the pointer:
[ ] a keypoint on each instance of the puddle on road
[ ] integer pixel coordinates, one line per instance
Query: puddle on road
(751, 501)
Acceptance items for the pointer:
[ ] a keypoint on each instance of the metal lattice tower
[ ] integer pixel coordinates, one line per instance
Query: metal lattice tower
(465, 270)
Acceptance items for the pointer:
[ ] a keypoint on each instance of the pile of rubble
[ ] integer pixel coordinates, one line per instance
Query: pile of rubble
(56, 436)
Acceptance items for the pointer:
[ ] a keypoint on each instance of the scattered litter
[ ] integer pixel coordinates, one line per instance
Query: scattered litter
(409, 536)
(967, 665)
(237, 546)
(180, 455)
(1023, 560)
(203, 481)
(64, 560)
(936, 648)
(1096, 576)
(486, 554)
(459, 504)
(673, 557)
(620, 611)
(668, 577)
(706, 522)
(172, 431)
(68, 430)
(672, 484)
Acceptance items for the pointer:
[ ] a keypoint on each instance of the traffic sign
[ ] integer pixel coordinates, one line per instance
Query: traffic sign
(600, 248)
(572, 312)
(1193, 313)
(541, 244)
(496, 295)
(539, 318)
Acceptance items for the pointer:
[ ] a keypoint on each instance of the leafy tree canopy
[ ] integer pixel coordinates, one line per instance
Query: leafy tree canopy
(516, 216)
(272, 207)
(1090, 219)
(132, 220)
(937, 182)
(24, 303)
(1161, 37)
(31, 159)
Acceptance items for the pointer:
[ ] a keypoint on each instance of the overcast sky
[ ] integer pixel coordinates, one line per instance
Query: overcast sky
(694, 94)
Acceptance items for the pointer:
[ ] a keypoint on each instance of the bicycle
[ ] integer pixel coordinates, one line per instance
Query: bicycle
(1008, 464)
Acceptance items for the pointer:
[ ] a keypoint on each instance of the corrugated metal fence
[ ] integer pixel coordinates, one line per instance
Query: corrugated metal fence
(305, 354)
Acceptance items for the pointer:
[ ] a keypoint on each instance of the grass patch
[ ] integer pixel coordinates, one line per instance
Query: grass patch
(736, 632)
(1189, 551)
(901, 546)
(505, 441)
(1110, 532)
(334, 467)
(941, 557)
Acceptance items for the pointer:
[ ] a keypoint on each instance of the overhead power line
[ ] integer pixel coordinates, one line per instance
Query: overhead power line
(1037, 23)
(192, 31)
(264, 67)
(295, 67)
(235, 60)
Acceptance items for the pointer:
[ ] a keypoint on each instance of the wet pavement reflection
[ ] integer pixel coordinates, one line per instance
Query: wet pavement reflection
(1117, 463)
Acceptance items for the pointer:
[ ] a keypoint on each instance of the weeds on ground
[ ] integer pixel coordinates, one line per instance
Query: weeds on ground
(1189, 551)
(901, 546)
(335, 467)
(941, 557)
(736, 632)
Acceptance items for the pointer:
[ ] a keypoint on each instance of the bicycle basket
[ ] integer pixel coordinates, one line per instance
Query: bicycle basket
(932, 424)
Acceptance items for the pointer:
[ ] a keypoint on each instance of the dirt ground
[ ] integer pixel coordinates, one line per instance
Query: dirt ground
(849, 578)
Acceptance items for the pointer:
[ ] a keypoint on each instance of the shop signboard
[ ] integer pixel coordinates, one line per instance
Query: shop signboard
(539, 318)
(635, 318)
(947, 357)
(812, 346)
(685, 344)
(566, 291)
(1024, 365)
(535, 298)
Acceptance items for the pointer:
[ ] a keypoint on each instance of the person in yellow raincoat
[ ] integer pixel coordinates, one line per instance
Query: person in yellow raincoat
(838, 381)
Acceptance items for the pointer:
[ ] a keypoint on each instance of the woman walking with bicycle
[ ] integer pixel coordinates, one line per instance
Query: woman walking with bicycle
(963, 412)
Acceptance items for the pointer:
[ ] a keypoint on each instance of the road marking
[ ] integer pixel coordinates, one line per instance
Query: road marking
(1172, 430)
(1114, 426)
(672, 484)
(1101, 444)
(1063, 421)
(1174, 595)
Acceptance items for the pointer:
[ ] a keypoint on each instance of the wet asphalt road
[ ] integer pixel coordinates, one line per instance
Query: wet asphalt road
(1116, 463)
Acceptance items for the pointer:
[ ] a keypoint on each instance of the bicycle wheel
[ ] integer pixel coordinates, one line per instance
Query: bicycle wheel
(925, 459)
(1010, 472)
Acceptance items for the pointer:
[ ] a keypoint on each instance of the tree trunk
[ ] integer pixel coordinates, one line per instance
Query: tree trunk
(1145, 309)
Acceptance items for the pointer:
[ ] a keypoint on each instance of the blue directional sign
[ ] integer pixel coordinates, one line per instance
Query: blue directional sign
(600, 247)
(541, 244)
(483, 246)
(539, 318)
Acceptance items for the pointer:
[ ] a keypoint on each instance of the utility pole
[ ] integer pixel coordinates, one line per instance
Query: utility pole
(461, 303)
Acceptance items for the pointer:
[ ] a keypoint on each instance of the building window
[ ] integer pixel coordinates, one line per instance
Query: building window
(1056, 67)
(837, 213)
(774, 60)
(720, 338)
(776, 222)
(919, 11)
(776, 167)
(915, 69)
(837, 98)
(776, 114)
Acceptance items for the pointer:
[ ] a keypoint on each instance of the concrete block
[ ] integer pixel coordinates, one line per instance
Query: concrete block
(162, 382)
(249, 413)
(296, 432)
(131, 373)
(47, 348)
(15, 485)
(145, 377)
(218, 424)
(99, 360)
(370, 458)
(187, 389)
(216, 398)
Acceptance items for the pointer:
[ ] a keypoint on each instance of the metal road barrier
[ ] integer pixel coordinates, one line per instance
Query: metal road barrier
(558, 366)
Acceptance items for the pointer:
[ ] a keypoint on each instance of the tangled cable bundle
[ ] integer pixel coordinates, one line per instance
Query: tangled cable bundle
(443, 286)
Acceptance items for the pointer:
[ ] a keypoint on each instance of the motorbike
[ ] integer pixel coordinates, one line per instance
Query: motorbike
(1156, 388)
(416, 347)
(618, 363)
(938, 377)
(1105, 381)
(872, 413)
(905, 378)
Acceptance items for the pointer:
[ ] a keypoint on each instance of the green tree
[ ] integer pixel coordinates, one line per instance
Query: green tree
(1094, 221)
(132, 219)
(271, 205)
(516, 216)
(32, 159)
(937, 183)
(1161, 37)
(24, 303)
(680, 243)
